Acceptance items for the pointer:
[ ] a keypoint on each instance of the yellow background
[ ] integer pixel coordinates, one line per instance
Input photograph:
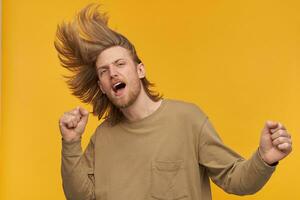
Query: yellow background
(238, 60)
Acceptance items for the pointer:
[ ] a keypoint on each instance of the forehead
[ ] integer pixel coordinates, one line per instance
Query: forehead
(112, 54)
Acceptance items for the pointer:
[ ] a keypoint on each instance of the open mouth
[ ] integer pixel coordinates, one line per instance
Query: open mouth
(118, 86)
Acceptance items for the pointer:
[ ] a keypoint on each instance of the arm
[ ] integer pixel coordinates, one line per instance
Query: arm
(77, 170)
(228, 169)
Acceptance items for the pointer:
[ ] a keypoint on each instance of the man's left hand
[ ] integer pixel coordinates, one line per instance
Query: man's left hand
(275, 142)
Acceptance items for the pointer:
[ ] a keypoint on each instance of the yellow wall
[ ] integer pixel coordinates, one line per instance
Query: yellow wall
(238, 60)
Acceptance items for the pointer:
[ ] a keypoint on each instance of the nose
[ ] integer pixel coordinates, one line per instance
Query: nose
(113, 71)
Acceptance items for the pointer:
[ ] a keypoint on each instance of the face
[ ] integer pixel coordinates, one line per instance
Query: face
(119, 76)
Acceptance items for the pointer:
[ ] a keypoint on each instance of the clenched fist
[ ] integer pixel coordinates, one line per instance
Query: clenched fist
(275, 142)
(73, 123)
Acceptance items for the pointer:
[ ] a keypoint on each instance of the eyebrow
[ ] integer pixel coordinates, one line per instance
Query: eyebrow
(102, 66)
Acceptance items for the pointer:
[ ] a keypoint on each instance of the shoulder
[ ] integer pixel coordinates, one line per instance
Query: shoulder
(184, 107)
(187, 109)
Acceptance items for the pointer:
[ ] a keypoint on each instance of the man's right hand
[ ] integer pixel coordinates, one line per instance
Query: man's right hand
(73, 123)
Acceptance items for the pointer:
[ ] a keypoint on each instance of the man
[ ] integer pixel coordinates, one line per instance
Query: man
(147, 147)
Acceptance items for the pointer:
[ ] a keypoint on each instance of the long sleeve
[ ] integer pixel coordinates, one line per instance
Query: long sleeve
(77, 170)
(229, 170)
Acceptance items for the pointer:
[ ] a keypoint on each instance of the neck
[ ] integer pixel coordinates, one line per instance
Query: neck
(141, 108)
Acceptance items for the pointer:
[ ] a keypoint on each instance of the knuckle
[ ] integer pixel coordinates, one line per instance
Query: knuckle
(72, 117)
(75, 110)
(69, 120)
(281, 139)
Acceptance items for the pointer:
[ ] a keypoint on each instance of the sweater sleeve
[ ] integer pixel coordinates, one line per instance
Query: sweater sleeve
(77, 170)
(228, 169)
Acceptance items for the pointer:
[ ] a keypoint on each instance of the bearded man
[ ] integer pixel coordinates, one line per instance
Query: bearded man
(148, 147)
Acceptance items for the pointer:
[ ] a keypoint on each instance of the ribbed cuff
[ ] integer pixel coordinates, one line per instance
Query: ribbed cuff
(261, 165)
(72, 148)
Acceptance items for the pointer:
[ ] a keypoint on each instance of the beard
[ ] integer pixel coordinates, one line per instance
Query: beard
(132, 96)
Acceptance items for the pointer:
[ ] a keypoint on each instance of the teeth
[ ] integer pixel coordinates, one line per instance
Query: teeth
(119, 85)
(115, 85)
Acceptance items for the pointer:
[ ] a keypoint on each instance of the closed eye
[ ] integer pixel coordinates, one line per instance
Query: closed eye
(121, 63)
(103, 71)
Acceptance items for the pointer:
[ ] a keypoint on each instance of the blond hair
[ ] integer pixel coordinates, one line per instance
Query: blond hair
(79, 43)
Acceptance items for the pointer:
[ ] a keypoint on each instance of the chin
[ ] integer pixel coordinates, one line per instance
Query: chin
(121, 103)
(124, 102)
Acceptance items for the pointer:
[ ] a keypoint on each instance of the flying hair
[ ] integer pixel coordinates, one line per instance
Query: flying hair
(78, 43)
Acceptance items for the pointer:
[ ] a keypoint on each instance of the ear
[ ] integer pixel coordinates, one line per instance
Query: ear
(141, 70)
(100, 86)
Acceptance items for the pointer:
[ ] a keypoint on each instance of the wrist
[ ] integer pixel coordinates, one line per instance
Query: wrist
(71, 140)
(274, 164)
(270, 163)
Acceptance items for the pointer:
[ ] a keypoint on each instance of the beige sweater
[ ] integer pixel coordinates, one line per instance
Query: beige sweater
(168, 155)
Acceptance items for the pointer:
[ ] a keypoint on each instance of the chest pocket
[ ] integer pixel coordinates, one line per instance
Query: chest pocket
(168, 180)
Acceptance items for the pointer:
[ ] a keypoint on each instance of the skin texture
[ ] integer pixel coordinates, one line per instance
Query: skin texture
(116, 64)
